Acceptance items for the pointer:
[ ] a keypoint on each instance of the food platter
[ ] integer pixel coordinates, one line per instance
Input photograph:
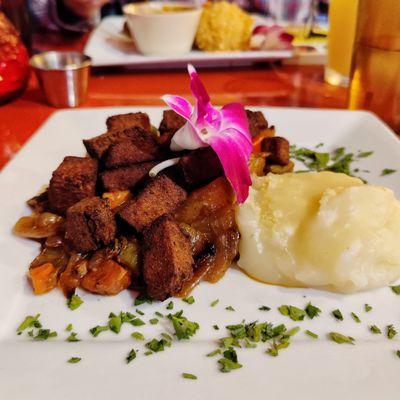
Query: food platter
(309, 368)
(108, 47)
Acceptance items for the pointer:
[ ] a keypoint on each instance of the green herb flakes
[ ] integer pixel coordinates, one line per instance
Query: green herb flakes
(153, 321)
(395, 289)
(115, 323)
(170, 305)
(95, 331)
(137, 336)
(374, 329)
(131, 356)
(184, 328)
(74, 360)
(166, 336)
(69, 328)
(74, 302)
(294, 313)
(311, 334)
(229, 308)
(137, 322)
(216, 327)
(214, 353)
(229, 362)
(398, 353)
(264, 308)
(355, 317)
(141, 299)
(390, 332)
(44, 334)
(337, 314)
(189, 300)
(73, 337)
(148, 353)
(29, 322)
(312, 311)
(388, 171)
(214, 303)
(339, 338)
(140, 312)
(364, 154)
(186, 375)
(367, 308)
(158, 345)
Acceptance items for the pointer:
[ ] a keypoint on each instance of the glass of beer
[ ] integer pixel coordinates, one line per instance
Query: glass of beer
(375, 76)
(342, 28)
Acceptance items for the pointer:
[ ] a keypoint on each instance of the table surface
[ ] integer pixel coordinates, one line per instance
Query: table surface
(264, 85)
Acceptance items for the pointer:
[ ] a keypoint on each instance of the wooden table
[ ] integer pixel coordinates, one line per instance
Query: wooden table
(263, 85)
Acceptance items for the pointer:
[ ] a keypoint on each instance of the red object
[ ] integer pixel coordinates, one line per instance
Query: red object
(14, 61)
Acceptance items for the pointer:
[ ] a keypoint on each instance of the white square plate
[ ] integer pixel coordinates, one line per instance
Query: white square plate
(308, 369)
(108, 47)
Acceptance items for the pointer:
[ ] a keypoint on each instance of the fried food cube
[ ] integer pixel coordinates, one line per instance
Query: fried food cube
(168, 261)
(129, 120)
(257, 122)
(126, 177)
(98, 146)
(73, 180)
(200, 167)
(171, 122)
(106, 278)
(160, 196)
(278, 149)
(90, 224)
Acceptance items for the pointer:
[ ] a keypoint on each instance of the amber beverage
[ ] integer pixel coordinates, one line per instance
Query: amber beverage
(375, 77)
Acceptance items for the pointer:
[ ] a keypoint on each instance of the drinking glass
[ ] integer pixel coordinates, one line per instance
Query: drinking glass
(375, 76)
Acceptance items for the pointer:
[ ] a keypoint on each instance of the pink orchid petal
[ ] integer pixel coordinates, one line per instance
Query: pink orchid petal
(180, 105)
(197, 87)
(186, 138)
(234, 116)
(234, 160)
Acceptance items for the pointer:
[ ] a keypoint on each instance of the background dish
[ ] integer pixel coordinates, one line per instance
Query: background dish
(321, 369)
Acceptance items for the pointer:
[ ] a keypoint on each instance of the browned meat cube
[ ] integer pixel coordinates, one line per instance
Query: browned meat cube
(168, 261)
(90, 224)
(200, 167)
(160, 196)
(171, 122)
(74, 180)
(125, 178)
(130, 120)
(125, 153)
(257, 122)
(98, 145)
(278, 147)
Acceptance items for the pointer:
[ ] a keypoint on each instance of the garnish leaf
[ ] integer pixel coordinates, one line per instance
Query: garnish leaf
(311, 334)
(294, 313)
(374, 329)
(355, 317)
(29, 322)
(74, 302)
(395, 289)
(367, 308)
(95, 331)
(312, 311)
(131, 356)
(214, 303)
(184, 328)
(340, 338)
(73, 337)
(388, 171)
(337, 314)
(74, 360)
(186, 375)
(391, 332)
(137, 335)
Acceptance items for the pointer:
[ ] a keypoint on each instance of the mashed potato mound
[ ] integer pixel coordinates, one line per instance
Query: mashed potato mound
(223, 27)
(323, 230)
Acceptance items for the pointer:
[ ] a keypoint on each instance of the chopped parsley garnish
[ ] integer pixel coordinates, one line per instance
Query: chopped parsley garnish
(374, 329)
(74, 302)
(214, 353)
(311, 334)
(158, 345)
(141, 299)
(216, 327)
(184, 328)
(367, 308)
(395, 289)
(159, 314)
(115, 323)
(148, 353)
(294, 313)
(69, 328)
(95, 331)
(391, 332)
(73, 337)
(137, 322)
(30, 322)
(131, 356)
(74, 360)
(364, 154)
(140, 312)
(388, 171)
(229, 308)
(170, 305)
(153, 321)
(398, 353)
(167, 337)
(186, 375)
(337, 314)
(189, 300)
(355, 317)
(229, 361)
(44, 334)
(339, 338)
(264, 308)
(214, 303)
(312, 311)
(137, 335)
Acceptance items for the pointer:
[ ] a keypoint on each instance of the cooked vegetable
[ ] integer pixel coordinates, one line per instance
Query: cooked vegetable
(38, 226)
(56, 256)
(70, 278)
(129, 255)
(117, 199)
(107, 278)
(74, 302)
(43, 278)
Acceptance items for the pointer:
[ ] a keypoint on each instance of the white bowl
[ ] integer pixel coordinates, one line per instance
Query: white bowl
(157, 32)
